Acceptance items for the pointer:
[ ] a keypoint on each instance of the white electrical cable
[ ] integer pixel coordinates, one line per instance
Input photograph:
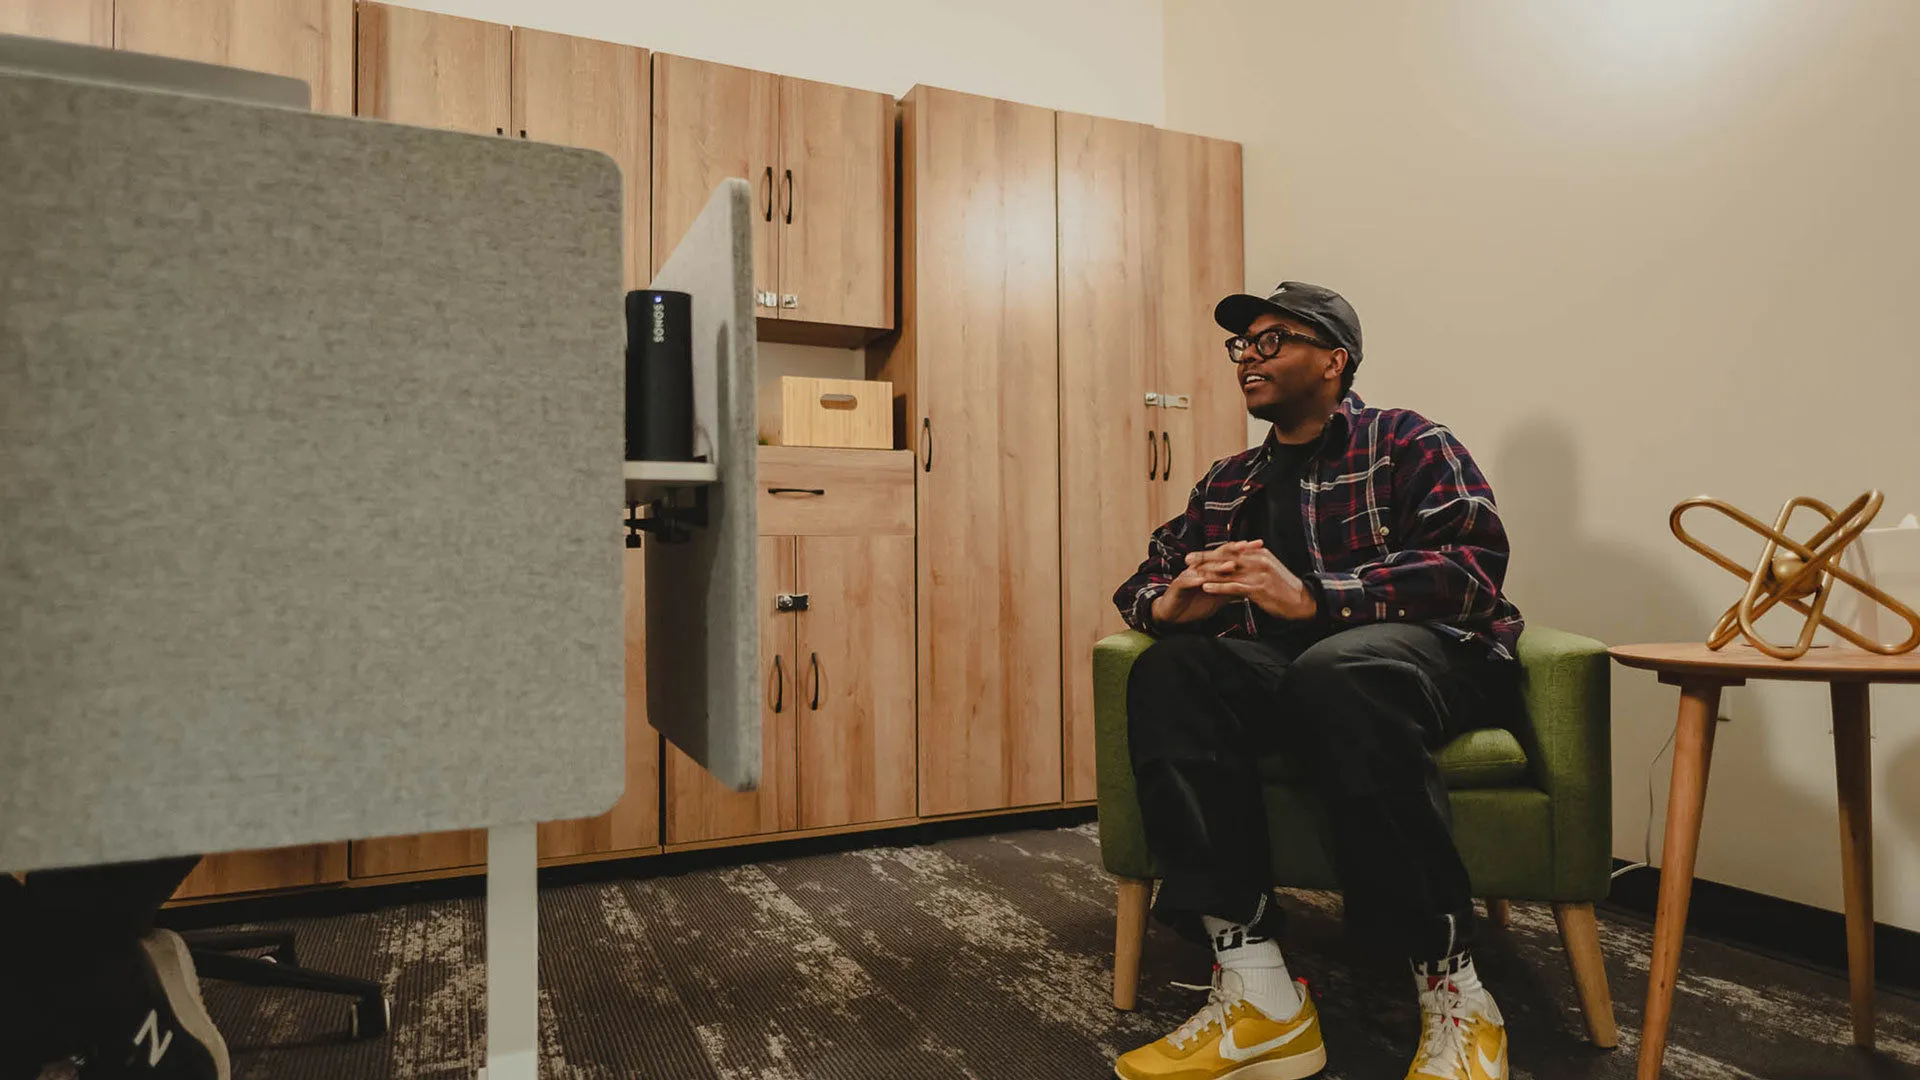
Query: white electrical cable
(1646, 858)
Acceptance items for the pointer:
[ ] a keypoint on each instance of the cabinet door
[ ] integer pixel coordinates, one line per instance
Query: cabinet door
(435, 70)
(711, 122)
(419, 854)
(835, 207)
(1110, 439)
(310, 40)
(700, 807)
(1200, 259)
(88, 22)
(854, 676)
(634, 822)
(980, 346)
(260, 871)
(593, 94)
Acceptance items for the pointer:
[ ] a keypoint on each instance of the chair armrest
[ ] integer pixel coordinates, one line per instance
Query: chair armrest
(1123, 838)
(1569, 741)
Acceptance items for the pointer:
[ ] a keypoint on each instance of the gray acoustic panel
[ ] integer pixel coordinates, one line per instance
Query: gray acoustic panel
(703, 595)
(310, 506)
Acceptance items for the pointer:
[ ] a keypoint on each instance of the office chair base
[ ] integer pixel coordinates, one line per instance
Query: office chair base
(279, 966)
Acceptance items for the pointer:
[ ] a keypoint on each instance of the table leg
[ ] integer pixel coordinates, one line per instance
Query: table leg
(1853, 769)
(1686, 803)
(513, 970)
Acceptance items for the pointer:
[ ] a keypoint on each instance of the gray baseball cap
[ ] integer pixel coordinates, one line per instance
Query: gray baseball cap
(1315, 305)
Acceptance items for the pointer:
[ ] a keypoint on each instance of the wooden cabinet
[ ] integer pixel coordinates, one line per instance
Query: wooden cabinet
(854, 659)
(838, 728)
(87, 22)
(711, 122)
(388, 855)
(976, 364)
(261, 871)
(311, 40)
(431, 70)
(593, 94)
(836, 213)
(634, 823)
(1200, 256)
(1150, 240)
(820, 158)
(1110, 439)
(700, 808)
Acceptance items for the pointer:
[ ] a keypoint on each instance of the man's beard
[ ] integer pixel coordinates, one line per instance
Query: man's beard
(1283, 412)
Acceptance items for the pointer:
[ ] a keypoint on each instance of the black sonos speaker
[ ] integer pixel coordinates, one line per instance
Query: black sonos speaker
(659, 375)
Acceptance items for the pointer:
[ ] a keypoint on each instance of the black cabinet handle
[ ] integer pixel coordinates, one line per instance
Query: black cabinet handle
(796, 491)
(1166, 466)
(779, 686)
(926, 440)
(816, 682)
(1153, 456)
(769, 193)
(789, 196)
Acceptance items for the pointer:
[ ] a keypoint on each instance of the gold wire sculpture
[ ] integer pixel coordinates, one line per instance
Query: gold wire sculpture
(1792, 575)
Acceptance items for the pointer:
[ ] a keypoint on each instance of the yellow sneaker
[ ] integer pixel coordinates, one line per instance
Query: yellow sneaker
(1462, 1037)
(1230, 1037)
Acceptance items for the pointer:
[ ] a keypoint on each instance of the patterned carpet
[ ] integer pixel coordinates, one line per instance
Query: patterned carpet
(983, 957)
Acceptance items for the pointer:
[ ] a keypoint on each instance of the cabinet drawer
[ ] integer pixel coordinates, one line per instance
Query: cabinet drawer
(833, 492)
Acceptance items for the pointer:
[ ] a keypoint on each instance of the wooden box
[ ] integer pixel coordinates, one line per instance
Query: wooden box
(833, 412)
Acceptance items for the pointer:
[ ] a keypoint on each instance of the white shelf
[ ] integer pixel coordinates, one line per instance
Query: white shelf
(673, 473)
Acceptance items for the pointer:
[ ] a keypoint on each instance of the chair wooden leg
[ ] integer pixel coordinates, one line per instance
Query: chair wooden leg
(1129, 937)
(1580, 932)
(1500, 913)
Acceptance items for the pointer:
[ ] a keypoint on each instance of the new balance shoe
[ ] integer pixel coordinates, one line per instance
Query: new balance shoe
(1462, 1037)
(151, 1023)
(1231, 1037)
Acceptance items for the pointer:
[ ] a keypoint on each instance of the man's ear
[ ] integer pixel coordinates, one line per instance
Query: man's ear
(1339, 358)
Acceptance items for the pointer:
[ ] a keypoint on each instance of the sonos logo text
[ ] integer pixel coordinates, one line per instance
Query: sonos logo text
(659, 322)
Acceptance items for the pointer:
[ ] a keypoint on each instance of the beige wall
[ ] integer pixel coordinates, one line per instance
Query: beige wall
(1095, 56)
(1631, 252)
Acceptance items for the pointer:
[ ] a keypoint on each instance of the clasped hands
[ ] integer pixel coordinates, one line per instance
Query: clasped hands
(1239, 569)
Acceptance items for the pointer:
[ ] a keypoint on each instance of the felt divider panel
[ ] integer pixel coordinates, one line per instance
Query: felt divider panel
(310, 450)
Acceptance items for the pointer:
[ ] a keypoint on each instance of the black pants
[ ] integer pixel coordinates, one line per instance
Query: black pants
(1361, 710)
(59, 934)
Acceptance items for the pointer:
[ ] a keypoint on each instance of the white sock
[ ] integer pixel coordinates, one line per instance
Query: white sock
(1458, 972)
(1264, 979)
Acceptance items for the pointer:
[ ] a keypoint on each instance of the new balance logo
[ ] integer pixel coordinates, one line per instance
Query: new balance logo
(1234, 939)
(157, 1043)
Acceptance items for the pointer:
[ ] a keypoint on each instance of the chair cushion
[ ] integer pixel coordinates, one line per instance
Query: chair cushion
(1487, 758)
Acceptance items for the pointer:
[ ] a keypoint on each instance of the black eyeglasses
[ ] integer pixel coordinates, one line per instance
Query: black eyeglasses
(1268, 344)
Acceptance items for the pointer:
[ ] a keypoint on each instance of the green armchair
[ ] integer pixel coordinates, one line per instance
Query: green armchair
(1532, 809)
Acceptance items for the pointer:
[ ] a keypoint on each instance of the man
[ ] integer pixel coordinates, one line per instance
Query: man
(1333, 595)
(84, 973)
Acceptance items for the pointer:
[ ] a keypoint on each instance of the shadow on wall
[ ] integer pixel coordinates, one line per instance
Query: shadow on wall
(1564, 575)
(1901, 789)
(1561, 573)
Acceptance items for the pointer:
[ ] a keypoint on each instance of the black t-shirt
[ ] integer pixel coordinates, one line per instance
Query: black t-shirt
(1280, 523)
(1277, 521)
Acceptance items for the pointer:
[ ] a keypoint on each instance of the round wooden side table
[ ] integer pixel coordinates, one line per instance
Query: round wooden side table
(1701, 674)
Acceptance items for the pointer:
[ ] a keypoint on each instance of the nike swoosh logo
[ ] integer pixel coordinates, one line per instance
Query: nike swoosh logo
(1493, 1069)
(1234, 1052)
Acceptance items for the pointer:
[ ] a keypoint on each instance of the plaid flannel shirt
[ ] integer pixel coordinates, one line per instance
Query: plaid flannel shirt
(1400, 526)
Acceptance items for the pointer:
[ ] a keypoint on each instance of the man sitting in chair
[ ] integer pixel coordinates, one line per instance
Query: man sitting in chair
(1334, 593)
